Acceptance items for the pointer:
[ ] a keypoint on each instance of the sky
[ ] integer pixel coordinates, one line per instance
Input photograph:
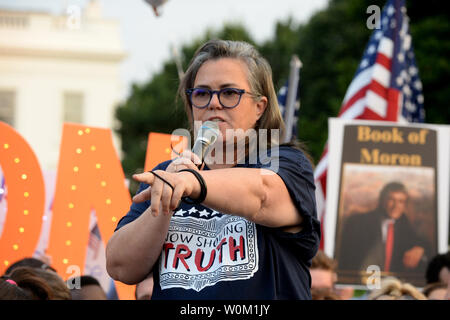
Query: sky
(147, 39)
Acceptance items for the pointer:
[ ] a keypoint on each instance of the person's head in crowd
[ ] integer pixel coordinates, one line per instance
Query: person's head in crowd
(86, 287)
(324, 276)
(29, 262)
(9, 290)
(394, 289)
(324, 294)
(438, 269)
(393, 199)
(24, 283)
(60, 291)
(144, 289)
(436, 291)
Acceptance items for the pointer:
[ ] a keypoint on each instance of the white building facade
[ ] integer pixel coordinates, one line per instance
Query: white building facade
(56, 69)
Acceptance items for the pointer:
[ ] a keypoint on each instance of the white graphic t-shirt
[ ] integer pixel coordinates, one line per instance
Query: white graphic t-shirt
(205, 247)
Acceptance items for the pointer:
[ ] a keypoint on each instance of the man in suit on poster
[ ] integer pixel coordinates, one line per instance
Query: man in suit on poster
(384, 237)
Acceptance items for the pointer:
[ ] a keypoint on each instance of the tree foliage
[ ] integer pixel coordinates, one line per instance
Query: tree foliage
(330, 46)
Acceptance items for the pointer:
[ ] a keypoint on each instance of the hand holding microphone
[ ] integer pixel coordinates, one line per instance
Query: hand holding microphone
(193, 159)
(168, 188)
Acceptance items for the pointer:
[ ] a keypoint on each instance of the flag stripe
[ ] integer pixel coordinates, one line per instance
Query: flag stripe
(361, 80)
(357, 96)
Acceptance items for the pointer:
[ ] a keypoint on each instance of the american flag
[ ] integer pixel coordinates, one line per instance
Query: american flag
(386, 85)
(95, 240)
(282, 100)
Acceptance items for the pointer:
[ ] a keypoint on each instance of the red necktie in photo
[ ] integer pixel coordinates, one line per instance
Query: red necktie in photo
(389, 246)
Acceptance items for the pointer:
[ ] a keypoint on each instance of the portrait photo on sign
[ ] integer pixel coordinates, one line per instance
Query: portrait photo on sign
(386, 221)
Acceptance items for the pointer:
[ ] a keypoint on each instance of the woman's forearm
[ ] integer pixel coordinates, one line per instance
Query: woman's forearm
(259, 195)
(238, 191)
(133, 250)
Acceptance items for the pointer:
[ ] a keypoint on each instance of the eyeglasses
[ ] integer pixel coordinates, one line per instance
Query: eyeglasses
(228, 97)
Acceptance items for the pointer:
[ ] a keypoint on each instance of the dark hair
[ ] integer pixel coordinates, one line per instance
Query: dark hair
(435, 266)
(85, 280)
(59, 288)
(387, 189)
(322, 261)
(429, 288)
(29, 262)
(28, 280)
(10, 291)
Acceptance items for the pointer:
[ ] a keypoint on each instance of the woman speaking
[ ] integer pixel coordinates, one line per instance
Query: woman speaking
(239, 228)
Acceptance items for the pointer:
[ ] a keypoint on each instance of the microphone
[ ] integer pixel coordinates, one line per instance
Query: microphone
(206, 136)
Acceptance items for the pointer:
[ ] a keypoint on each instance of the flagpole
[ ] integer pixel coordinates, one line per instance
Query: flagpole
(294, 77)
(177, 59)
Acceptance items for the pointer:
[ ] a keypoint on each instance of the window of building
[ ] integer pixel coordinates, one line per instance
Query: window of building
(7, 106)
(73, 107)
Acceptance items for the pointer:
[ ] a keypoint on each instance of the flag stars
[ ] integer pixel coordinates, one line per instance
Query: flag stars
(204, 213)
(393, 24)
(390, 10)
(406, 44)
(412, 71)
(364, 63)
(371, 49)
(180, 213)
(418, 85)
(411, 107)
(378, 35)
(282, 91)
(407, 90)
(192, 210)
(420, 98)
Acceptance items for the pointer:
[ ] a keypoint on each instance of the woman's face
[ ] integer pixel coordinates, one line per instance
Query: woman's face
(227, 73)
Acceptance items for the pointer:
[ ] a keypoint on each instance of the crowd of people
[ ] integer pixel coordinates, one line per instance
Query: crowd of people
(33, 279)
(324, 279)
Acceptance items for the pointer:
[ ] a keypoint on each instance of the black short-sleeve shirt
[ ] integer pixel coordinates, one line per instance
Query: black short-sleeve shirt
(211, 255)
